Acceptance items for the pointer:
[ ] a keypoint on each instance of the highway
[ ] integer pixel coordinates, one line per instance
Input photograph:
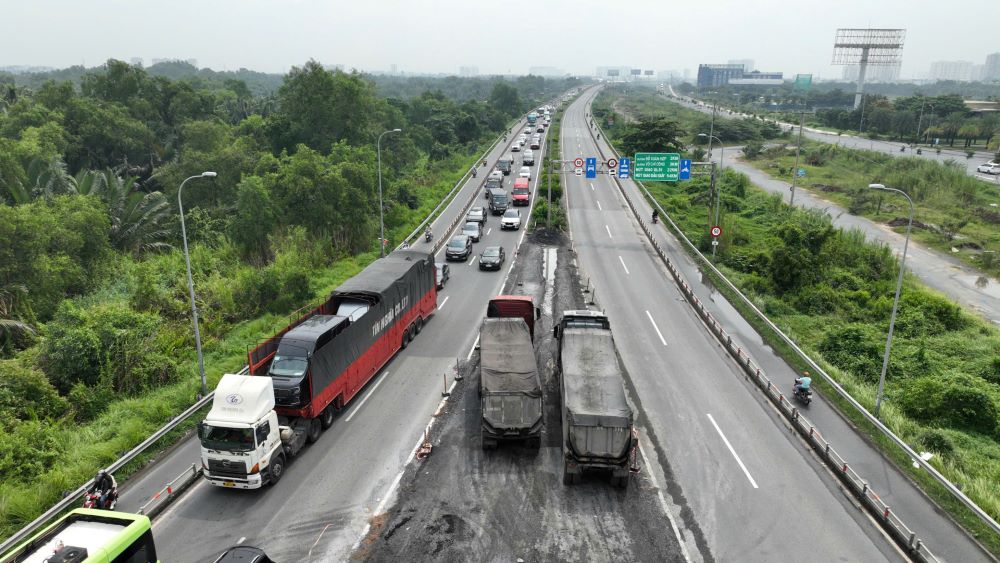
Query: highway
(956, 154)
(743, 483)
(332, 488)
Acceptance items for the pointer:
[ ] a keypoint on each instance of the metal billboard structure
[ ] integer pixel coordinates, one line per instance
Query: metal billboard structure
(863, 47)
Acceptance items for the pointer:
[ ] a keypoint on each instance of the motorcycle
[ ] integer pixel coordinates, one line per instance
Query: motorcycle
(484, 163)
(93, 500)
(902, 149)
(803, 395)
(428, 236)
(656, 218)
(920, 151)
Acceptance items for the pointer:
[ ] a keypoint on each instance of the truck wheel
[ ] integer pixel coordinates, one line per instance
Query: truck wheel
(420, 324)
(277, 468)
(406, 339)
(326, 417)
(315, 429)
(489, 443)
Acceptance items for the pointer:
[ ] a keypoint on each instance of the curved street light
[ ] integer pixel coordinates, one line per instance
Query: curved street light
(381, 212)
(187, 260)
(895, 302)
(721, 160)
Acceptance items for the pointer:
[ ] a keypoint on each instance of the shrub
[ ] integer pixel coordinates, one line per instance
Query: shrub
(936, 441)
(25, 393)
(27, 449)
(90, 401)
(855, 348)
(957, 400)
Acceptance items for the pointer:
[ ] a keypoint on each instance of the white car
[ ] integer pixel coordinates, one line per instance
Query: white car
(525, 172)
(511, 219)
(578, 171)
(989, 168)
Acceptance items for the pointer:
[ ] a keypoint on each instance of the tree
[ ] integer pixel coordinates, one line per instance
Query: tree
(654, 135)
(138, 219)
(254, 220)
(505, 98)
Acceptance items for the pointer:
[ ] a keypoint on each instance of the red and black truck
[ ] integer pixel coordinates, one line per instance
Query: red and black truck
(319, 362)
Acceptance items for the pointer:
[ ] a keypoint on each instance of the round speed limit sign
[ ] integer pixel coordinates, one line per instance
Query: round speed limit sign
(578, 162)
(716, 231)
(612, 163)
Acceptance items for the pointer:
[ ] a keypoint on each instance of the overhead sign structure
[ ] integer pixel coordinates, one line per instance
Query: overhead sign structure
(612, 163)
(657, 166)
(624, 168)
(716, 231)
(685, 171)
(578, 162)
(591, 169)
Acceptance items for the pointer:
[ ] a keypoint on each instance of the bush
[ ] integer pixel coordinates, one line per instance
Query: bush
(936, 441)
(90, 401)
(27, 449)
(26, 394)
(855, 348)
(957, 400)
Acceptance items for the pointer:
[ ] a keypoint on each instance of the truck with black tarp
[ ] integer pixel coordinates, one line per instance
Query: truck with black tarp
(597, 421)
(510, 388)
(316, 365)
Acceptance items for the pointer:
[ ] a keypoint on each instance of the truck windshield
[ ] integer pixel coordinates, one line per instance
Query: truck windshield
(226, 439)
(289, 366)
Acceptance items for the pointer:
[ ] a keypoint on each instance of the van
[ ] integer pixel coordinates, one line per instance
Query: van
(521, 193)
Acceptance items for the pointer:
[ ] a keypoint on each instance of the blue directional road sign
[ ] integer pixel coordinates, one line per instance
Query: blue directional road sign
(624, 167)
(685, 172)
(801, 172)
(591, 167)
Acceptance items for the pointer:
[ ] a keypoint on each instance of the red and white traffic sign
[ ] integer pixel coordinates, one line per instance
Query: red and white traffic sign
(716, 231)
(578, 162)
(612, 162)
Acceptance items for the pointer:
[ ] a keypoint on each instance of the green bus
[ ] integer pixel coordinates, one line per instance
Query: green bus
(89, 536)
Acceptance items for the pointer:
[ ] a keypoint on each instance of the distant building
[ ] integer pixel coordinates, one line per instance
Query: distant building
(959, 71)
(887, 73)
(715, 75)
(991, 70)
(393, 69)
(135, 61)
(546, 71)
(757, 78)
(468, 71)
(748, 64)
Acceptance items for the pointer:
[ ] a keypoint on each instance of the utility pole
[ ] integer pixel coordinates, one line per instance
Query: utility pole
(798, 149)
(548, 208)
(715, 242)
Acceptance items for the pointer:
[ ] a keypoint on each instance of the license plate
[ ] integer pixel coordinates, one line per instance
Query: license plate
(228, 484)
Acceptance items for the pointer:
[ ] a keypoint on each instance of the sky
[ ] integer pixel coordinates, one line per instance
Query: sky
(428, 36)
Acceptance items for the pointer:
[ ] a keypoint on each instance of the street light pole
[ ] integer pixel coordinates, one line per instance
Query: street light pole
(895, 302)
(798, 150)
(381, 212)
(717, 192)
(187, 261)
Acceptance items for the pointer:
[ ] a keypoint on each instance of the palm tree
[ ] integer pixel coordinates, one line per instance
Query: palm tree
(45, 178)
(138, 219)
(9, 325)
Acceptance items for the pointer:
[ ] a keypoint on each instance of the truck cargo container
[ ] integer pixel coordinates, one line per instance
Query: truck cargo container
(314, 367)
(597, 421)
(510, 388)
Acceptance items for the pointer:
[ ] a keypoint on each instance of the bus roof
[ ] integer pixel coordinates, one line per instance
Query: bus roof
(102, 533)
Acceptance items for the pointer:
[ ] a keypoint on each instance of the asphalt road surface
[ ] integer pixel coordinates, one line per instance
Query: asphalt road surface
(332, 488)
(946, 539)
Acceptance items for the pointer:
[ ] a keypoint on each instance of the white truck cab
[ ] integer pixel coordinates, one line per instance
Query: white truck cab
(241, 445)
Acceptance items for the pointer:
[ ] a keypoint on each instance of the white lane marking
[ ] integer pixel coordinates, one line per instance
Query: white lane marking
(488, 231)
(473, 349)
(620, 259)
(599, 206)
(591, 186)
(441, 306)
(665, 506)
(243, 539)
(732, 451)
(658, 333)
(309, 555)
(609, 231)
(473, 261)
(366, 397)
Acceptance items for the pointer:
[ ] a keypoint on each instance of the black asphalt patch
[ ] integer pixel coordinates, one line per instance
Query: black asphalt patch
(465, 504)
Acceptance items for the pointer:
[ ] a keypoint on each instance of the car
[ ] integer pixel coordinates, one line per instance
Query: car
(459, 248)
(511, 219)
(524, 173)
(540, 128)
(492, 258)
(989, 168)
(578, 171)
(477, 214)
(536, 144)
(496, 175)
(473, 230)
(498, 201)
(443, 274)
(527, 129)
(515, 147)
(241, 554)
(528, 158)
(521, 194)
(522, 140)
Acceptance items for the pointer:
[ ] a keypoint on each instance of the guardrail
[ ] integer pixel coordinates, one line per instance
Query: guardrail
(890, 521)
(171, 490)
(74, 497)
(813, 365)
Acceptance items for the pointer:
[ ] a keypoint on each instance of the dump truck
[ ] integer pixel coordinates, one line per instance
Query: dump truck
(311, 369)
(510, 388)
(597, 421)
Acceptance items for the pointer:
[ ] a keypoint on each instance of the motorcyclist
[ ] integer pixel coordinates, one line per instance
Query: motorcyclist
(802, 384)
(105, 486)
(656, 215)
(484, 163)
(428, 234)
(473, 172)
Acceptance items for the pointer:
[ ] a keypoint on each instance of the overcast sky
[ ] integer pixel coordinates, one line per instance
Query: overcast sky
(496, 36)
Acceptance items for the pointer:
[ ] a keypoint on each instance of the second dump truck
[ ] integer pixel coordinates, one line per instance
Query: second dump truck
(597, 421)
(509, 385)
